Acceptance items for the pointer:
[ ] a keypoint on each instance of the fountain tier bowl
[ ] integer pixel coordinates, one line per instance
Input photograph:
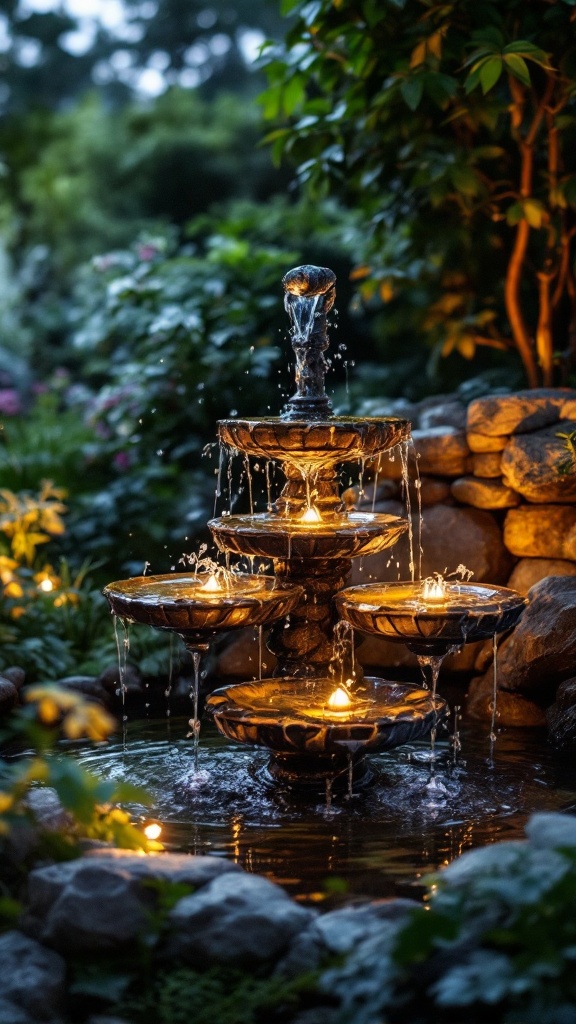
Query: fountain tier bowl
(399, 612)
(317, 443)
(340, 536)
(310, 739)
(180, 602)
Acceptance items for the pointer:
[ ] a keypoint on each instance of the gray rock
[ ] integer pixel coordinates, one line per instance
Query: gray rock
(529, 571)
(561, 715)
(481, 493)
(516, 413)
(541, 531)
(541, 651)
(109, 678)
(236, 919)
(32, 977)
(540, 467)
(102, 901)
(451, 536)
(12, 1014)
(8, 696)
(497, 858)
(442, 451)
(338, 932)
(552, 831)
(383, 406)
(88, 686)
(444, 414)
(47, 809)
(15, 674)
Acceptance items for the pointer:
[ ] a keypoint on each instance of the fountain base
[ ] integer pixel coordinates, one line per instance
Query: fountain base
(312, 742)
(313, 775)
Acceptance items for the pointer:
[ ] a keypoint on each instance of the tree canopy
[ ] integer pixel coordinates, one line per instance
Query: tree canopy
(452, 127)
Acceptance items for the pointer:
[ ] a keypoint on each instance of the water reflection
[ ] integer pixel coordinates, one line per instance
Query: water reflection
(379, 842)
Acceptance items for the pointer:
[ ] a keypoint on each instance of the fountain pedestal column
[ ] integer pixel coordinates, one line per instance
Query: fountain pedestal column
(303, 644)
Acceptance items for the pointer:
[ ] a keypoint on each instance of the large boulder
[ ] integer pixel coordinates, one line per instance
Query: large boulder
(529, 571)
(518, 413)
(8, 695)
(451, 536)
(446, 412)
(540, 466)
(375, 653)
(442, 451)
(487, 465)
(336, 933)
(561, 715)
(541, 651)
(104, 901)
(541, 531)
(236, 919)
(512, 710)
(32, 979)
(481, 493)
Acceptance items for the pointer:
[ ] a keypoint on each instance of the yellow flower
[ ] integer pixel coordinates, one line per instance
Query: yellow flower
(53, 701)
(13, 589)
(88, 720)
(7, 567)
(6, 802)
(78, 716)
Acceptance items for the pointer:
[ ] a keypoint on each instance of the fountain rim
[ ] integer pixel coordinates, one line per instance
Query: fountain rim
(330, 421)
(249, 524)
(254, 716)
(504, 598)
(265, 589)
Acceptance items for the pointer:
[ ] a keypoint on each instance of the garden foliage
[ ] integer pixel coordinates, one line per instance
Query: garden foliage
(451, 126)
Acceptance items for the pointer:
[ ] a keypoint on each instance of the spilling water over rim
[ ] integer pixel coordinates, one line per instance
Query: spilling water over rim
(377, 844)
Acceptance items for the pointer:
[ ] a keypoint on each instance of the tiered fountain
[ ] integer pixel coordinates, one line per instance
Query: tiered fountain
(317, 716)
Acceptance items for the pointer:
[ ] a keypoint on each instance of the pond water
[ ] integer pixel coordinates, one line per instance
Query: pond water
(379, 843)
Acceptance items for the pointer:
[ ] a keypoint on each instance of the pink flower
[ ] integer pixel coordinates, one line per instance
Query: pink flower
(146, 252)
(10, 404)
(122, 461)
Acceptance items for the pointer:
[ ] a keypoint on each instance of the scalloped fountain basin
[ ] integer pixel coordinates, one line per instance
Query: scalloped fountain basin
(343, 535)
(293, 720)
(317, 443)
(180, 601)
(399, 612)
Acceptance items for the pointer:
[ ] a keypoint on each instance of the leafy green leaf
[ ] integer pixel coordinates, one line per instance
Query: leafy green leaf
(411, 90)
(490, 73)
(517, 67)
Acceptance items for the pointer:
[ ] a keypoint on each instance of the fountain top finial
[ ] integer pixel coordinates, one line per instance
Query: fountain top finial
(310, 295)
(309, 280)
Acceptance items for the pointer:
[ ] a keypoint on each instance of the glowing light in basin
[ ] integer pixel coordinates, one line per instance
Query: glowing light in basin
(212, 585)
(339, 700)
(434, 590)
(311, 515)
